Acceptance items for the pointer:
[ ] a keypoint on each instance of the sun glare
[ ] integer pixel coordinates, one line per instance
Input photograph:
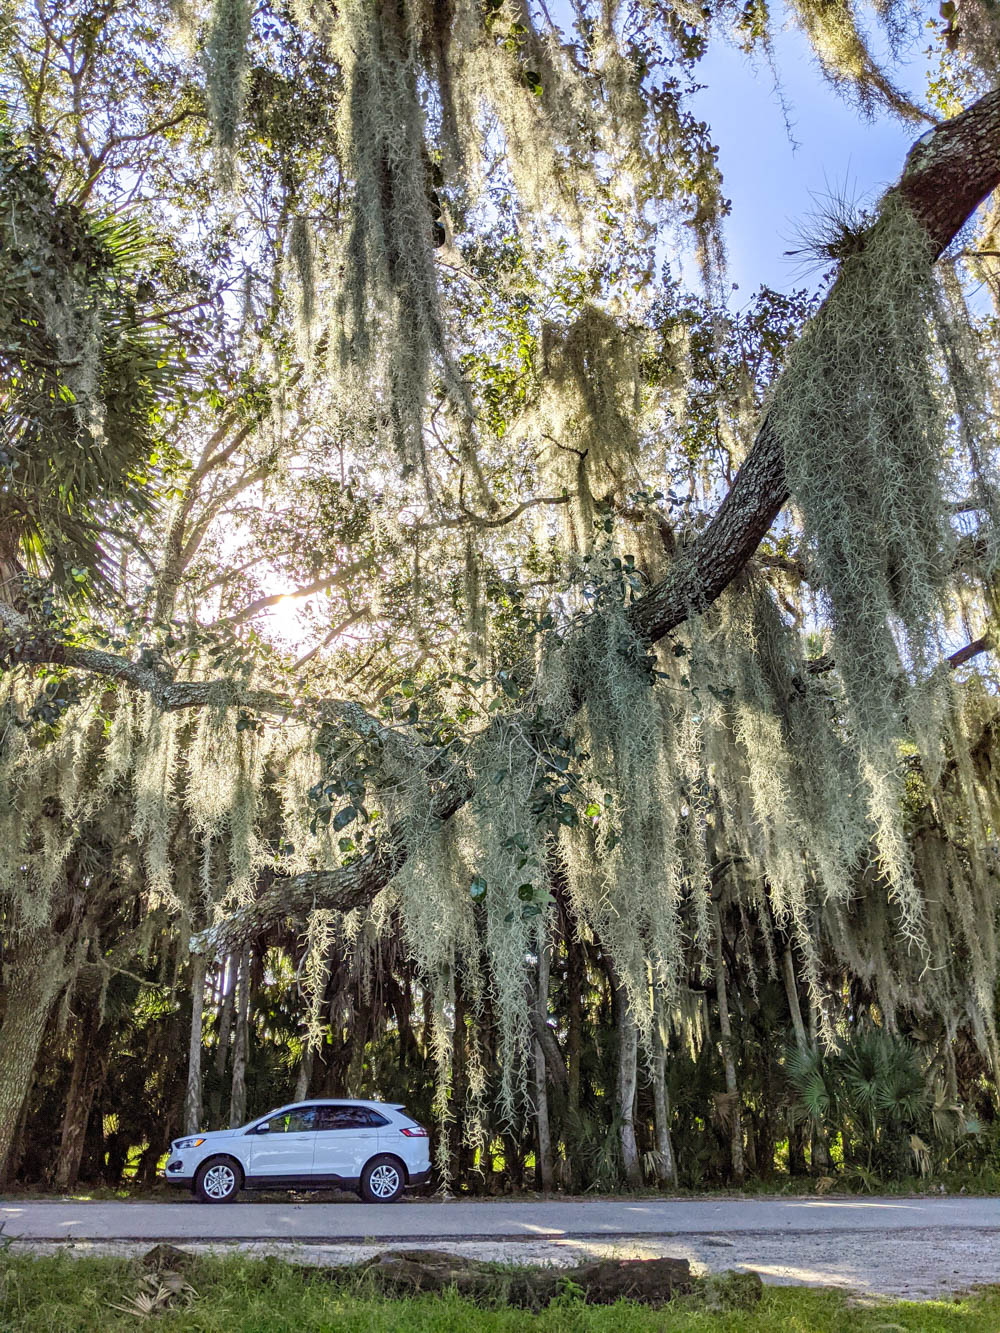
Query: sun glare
(287, 622)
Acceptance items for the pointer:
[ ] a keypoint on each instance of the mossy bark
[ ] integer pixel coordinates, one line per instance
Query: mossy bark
(34, 977)
(192, 1099)
(304, 1076)
(238, 1094)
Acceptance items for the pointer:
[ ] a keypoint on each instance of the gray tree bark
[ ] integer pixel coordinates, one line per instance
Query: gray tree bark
(192, 1099)
(238, 1095)
(819, 1148)
(726, 1043)
(228, 989)
(666, 1164)
(545, 1177)
(792, 994)
(304, 1075)
(628, 1080)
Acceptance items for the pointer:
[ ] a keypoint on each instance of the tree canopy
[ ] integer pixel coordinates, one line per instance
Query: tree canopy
(633, 657)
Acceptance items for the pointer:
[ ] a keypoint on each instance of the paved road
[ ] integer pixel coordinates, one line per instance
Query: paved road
(423, 1221)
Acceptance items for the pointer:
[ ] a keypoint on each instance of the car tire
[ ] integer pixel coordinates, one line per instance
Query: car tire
(219, 1180)
(383, 1180)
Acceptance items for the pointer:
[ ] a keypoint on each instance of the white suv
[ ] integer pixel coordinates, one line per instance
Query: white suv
(375, 1149)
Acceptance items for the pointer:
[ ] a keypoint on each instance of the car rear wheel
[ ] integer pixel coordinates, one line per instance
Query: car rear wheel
(383, 1180)
(218, 1181)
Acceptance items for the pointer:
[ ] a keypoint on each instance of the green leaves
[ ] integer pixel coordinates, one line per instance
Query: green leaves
(872, 1081)
(88, 368)
(533, 900)
(508, 684)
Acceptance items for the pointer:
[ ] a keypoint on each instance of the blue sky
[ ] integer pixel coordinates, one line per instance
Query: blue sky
(774, 184)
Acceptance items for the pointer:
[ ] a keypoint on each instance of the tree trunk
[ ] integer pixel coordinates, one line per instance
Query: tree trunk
(228, 984)
(192, 1099)
(544, 1157)
(304, 1077)
(792, 994)
(35, 977)
(238, 1095)
(797, 1150)
(628, 1078)
(88, 1069)
(460, 1154)
(666, 1165)
(405, 1274)
(574, 1038)
(820, 1150)
(726, 1042)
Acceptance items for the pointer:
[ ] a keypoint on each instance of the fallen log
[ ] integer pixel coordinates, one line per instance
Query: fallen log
(406, 1273)
(600, 1282)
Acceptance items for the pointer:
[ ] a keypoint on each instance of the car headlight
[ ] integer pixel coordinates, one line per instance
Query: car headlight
(188, 1143)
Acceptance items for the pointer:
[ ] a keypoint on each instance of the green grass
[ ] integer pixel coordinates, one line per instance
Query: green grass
(60, 1294)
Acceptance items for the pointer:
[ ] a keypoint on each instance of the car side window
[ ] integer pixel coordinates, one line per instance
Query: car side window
(300, 1120)
(349, 1117)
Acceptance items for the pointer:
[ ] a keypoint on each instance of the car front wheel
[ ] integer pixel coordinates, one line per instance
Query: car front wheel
(383, 1180)
(218, 1182)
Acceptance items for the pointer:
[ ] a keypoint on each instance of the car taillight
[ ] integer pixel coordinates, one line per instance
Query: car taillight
(416, 1133)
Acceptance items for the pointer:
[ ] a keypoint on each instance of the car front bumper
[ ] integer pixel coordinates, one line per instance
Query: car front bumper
(177, 1172)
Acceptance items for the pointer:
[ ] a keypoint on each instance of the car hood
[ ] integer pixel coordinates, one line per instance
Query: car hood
(210, 1135)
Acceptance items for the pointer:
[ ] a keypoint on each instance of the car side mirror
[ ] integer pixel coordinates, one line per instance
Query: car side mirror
(265, 1128)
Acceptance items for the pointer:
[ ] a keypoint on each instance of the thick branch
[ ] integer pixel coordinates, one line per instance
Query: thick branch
(948, 173)
(21, 644)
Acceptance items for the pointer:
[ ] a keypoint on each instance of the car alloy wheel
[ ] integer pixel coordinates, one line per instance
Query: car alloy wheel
(384, 1181)
(219, 1182)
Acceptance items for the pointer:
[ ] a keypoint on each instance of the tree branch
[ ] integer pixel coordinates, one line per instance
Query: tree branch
(317, 586)
(948, 173)
(983, 644)
(22, 644)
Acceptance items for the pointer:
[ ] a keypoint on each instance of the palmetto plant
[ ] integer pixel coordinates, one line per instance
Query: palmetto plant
(872, 1087)
(158, 1292)
(85, 366)
(596, 1151)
